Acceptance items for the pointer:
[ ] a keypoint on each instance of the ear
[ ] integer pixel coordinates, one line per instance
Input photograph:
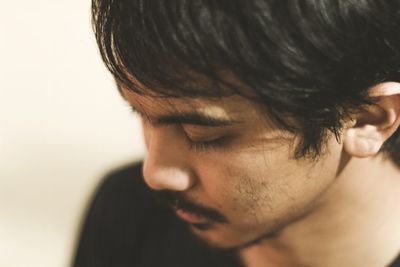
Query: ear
(371, 127)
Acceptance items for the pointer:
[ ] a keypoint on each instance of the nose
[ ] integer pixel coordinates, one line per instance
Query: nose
(165, 166)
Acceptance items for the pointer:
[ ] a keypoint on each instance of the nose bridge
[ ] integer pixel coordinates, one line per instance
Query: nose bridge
(165, 166)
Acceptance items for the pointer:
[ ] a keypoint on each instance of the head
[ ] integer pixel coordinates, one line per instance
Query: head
(250, 108)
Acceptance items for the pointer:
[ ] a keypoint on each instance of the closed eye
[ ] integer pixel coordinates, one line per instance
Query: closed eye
(219, 143)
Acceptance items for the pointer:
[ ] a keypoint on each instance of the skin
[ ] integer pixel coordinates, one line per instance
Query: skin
(300, 207)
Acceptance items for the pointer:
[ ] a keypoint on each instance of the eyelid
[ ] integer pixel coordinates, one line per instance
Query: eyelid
(200, 131)
(206, 146)
(214, 141)
(220, 142)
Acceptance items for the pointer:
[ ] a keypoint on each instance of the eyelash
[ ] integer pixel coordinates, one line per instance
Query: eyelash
(200, 146)
(203, 146)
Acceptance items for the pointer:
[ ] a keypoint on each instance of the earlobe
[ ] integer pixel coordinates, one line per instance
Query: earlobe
(375, 124)
(362, 143)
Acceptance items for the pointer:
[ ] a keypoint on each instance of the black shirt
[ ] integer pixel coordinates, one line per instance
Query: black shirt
(125, 227)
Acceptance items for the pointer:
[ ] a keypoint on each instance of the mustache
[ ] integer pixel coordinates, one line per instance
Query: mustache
(177, 200)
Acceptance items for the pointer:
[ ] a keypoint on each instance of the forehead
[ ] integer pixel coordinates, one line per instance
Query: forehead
(222, 96)
(234, 106)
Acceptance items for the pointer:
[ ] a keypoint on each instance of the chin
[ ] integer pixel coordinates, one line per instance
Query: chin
(219, 237)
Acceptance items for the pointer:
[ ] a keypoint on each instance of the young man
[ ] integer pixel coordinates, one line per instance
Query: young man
(271, 128)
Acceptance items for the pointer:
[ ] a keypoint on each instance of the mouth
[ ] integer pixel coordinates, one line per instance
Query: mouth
(188, 211)
(190, 217)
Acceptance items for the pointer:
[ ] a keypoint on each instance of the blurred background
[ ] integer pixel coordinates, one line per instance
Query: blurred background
(62, 127)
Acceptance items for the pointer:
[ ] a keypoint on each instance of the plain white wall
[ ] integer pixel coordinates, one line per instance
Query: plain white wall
(62, 126)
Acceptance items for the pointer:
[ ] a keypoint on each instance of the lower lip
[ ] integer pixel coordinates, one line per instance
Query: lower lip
(190, 217)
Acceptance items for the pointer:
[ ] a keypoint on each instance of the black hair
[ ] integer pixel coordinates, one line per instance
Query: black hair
(310, 63)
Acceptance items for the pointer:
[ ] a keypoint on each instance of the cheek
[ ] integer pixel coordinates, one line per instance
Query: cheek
(256, 187)
(239, 183)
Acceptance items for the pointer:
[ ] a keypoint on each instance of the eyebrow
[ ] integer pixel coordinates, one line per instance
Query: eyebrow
(191, 118)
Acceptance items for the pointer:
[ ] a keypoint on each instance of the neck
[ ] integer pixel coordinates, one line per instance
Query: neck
(355, 222)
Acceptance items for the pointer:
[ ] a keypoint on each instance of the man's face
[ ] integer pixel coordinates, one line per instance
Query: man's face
(241, 169)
